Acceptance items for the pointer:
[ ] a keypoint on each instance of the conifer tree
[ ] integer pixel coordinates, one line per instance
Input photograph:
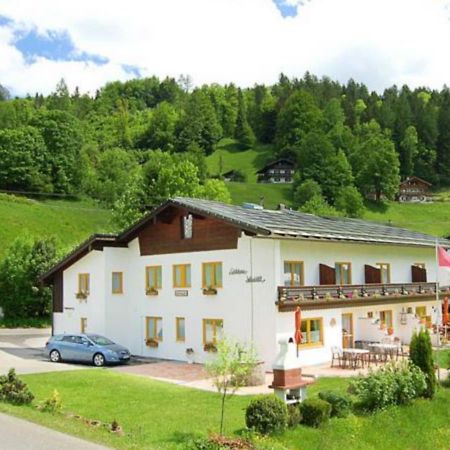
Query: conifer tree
(243, 132)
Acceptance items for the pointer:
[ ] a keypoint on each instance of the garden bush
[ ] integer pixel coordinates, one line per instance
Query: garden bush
(421, 354)
(315, 412)
(266, 414)
(13, 390)
(397, 383)
(53, 404)
(294, 415)
(340, 404)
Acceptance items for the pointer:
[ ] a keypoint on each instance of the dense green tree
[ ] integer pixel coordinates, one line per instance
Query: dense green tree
(63, 138)
(298, 117)
(421, 354)
(304, 191)
(375, 163)
(443, 140)
(243, 132)
(199, 124)
(60, 99)
(350, 202)
(24, 160)
(318, 206)
(408, 151)
(23, 296)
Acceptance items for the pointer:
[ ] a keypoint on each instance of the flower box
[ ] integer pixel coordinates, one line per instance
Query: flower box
(153, 343)
(210, 347)
(82, 295)
(209, 291)
(151, 291)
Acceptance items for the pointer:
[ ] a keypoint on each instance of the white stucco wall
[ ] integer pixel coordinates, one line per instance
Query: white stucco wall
(247, 309)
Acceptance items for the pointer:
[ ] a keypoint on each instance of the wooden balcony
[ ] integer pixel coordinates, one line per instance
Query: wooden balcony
(333, 296)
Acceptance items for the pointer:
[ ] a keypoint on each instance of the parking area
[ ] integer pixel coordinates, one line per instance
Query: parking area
(23, 349)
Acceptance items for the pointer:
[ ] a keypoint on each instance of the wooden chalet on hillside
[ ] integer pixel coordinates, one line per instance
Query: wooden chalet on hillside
(280, 171)
(414, 189)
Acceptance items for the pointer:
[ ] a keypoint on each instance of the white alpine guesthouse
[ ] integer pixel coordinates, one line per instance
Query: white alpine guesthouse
(192, 270)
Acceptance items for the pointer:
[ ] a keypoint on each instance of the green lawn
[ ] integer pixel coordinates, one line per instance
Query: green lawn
(442, 357)
(70, 221)
(158, 415)
(273, 194)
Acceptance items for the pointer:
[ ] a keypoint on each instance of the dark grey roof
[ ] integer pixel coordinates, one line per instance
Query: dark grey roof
(307, 226)
(288, 162)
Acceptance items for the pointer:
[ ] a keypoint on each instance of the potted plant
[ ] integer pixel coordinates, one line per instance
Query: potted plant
(151, 291)
(82, 295)
(390, 331)
(190, 355)
(209, 291)
(150, 342)
(210, 347)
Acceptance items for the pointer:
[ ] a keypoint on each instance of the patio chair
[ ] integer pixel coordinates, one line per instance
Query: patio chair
(337, 354)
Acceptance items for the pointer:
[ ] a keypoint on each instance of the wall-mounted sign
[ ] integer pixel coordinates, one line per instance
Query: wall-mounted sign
(255, 279)
(181, 293)
(234, 271)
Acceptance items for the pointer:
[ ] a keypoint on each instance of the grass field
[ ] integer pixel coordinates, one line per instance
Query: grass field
(157, 415)
(69, 221)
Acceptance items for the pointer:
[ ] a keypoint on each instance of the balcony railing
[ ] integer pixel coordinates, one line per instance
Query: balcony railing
(298, 294)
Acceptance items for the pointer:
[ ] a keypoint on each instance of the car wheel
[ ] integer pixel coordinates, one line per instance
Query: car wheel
(55, 356)
(99, 360)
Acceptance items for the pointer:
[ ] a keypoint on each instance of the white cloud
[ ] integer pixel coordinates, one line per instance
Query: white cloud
(379, 42)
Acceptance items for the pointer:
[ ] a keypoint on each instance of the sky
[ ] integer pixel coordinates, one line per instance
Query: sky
(91, 42)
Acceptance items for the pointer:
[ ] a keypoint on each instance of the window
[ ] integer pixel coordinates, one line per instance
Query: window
(312, 332)
(421, 311)
(385, 272)
(180, 326)
(153, 277)
(386, 318)
(181, 275)
(212, 275)
(212, 330)
(83, 323)
(293, 273)
(154, 328)
(370, 315)
(343, 273)
(83, 283)
(117, 283)
(187, 225)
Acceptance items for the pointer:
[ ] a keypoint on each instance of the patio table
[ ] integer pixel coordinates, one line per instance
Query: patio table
(385, 349)
(355, 355)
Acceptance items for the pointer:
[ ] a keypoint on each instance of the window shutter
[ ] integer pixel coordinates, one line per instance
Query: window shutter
(418, 275)
(327, 274)
(372, 274)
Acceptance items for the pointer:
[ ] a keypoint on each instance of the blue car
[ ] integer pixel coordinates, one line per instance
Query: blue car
(89, 348)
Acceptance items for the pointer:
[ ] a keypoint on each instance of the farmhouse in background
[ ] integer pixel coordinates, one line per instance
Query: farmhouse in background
(193, 270)
(414, 189)
(280, 171)
(233, 175)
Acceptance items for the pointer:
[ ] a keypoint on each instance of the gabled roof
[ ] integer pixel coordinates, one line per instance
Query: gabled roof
(270, 165)
(284, 223)
(414, 178)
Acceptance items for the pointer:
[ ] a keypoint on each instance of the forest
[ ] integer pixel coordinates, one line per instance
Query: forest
(135, 143)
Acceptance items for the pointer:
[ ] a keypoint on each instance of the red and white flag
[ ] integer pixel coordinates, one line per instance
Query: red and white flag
(444, 258)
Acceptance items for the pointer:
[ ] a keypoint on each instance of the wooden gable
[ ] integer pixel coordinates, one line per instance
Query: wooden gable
(164, 234)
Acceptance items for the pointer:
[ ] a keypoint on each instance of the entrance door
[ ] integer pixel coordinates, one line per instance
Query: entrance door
(347, 330)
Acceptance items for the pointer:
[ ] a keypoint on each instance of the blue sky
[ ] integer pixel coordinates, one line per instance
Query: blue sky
(379, 42)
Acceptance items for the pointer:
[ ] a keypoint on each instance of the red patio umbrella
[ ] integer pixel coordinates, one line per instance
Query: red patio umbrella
(445, 314)
(298, 327)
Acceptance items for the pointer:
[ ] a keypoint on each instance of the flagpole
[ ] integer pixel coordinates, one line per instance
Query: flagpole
(438, 304)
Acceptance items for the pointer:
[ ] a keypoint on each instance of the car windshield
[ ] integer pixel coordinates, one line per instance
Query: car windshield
(99, 340)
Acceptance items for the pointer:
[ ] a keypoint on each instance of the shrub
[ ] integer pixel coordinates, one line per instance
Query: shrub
(315, 412)
(421, 354)
(13, 390)
(266, 414)
(294, 415)
(53, 404)
(340, 403)
(394, 384)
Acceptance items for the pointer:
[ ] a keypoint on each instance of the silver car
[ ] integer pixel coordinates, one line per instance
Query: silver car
(89, 348)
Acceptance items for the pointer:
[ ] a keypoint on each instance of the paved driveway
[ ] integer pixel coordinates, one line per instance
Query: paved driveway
(23, 349)
(18, 434)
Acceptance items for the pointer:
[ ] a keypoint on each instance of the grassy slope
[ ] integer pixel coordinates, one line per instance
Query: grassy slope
(158, 415)
(431, 218)
(70, 221)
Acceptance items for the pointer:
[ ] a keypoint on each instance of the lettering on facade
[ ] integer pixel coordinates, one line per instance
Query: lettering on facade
(255, 279)
(234, 271)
